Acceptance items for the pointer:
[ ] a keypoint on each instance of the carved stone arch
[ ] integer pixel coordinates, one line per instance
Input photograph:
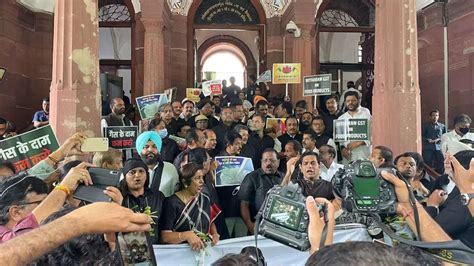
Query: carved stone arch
(191, 13)
(356, 9)
(256, 4)
(249, 64)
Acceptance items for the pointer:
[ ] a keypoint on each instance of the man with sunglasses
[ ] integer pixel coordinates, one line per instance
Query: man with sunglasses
(25, 202)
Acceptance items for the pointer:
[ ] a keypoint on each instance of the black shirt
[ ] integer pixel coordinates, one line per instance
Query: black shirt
(322, 140)
(455, 218)
(169, 150)
(250, 91)
(255, 186)
(285, 138)
(318, 188)
(232, 92)
(259, 144)
(153, 199)
(172, 209)
(329, 123)
(221, 130)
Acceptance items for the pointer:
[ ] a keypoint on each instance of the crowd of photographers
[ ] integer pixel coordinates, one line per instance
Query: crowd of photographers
(168, 188)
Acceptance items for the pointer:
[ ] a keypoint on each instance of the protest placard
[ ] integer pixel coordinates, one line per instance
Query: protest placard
(232, 170)
(121, 137)
(278, 124)
(180, 141)
(266, 76)
(149, 105)
(192, 94)
(317, 85)
(171, 94)
(27, 149)
(212, 87)
(286, 73)
(351, 129)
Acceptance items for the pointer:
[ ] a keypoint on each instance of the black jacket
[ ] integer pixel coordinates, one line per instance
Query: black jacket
(150, 198)
(169, 150)
(115, 121)
(455, 218)
(259, 144)
(221, 130)
(285, 138)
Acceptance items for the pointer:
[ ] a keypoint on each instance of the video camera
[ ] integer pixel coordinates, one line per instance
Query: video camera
(363, 189)
(285, 218)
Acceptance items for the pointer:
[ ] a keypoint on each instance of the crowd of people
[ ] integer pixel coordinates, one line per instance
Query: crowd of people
(169, 189)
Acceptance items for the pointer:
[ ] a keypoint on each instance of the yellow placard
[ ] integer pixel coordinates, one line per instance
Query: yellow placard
(192, 94)
(286, 73)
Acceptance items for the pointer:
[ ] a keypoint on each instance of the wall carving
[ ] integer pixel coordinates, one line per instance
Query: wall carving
(272, 8)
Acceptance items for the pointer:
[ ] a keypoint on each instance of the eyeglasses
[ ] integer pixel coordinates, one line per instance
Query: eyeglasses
(269, 160)
(33, 202)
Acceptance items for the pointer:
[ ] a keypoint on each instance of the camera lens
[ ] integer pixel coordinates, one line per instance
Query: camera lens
(366, 170)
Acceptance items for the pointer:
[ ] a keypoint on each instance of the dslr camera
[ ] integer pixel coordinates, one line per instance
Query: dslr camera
(362, 188)
(285, 218)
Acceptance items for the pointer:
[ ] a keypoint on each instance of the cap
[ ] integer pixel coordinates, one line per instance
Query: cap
(200, 117)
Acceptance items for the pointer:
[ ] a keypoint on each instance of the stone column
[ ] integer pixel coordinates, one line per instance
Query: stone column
(75, 94)
(154, 74)
(153, 80)
(302, 52)
(274, 55)
(396, 99)
(301, 49)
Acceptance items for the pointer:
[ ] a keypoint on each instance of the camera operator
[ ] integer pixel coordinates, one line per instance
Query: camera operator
(309, 177)
(445, 204)
(359, 252)
(464, 179)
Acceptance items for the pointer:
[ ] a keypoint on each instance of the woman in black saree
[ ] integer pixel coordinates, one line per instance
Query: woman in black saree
(189, 212)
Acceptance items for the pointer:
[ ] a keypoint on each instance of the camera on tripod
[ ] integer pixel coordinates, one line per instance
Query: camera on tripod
(285, 218)
(363, 189)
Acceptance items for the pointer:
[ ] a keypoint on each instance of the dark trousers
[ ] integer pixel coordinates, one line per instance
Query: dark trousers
(434, 159)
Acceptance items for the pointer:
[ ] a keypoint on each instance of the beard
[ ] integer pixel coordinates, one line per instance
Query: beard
(150, 158)
(119, 111)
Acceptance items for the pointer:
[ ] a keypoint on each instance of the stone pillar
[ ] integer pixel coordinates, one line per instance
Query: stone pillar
(274, 55)
(396, 100)
(154, 74)
(75, 94)
(302, 52)
(153, 80)
(179, 55)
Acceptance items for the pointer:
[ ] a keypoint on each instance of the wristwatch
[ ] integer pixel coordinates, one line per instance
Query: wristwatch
(466, 197)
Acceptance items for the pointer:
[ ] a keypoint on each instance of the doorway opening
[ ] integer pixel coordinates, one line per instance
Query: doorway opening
(346, 46)
(222, 65)
(233, 26)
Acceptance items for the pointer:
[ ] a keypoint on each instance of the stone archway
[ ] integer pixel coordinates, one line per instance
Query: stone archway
(192, 52)
(249, 64)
